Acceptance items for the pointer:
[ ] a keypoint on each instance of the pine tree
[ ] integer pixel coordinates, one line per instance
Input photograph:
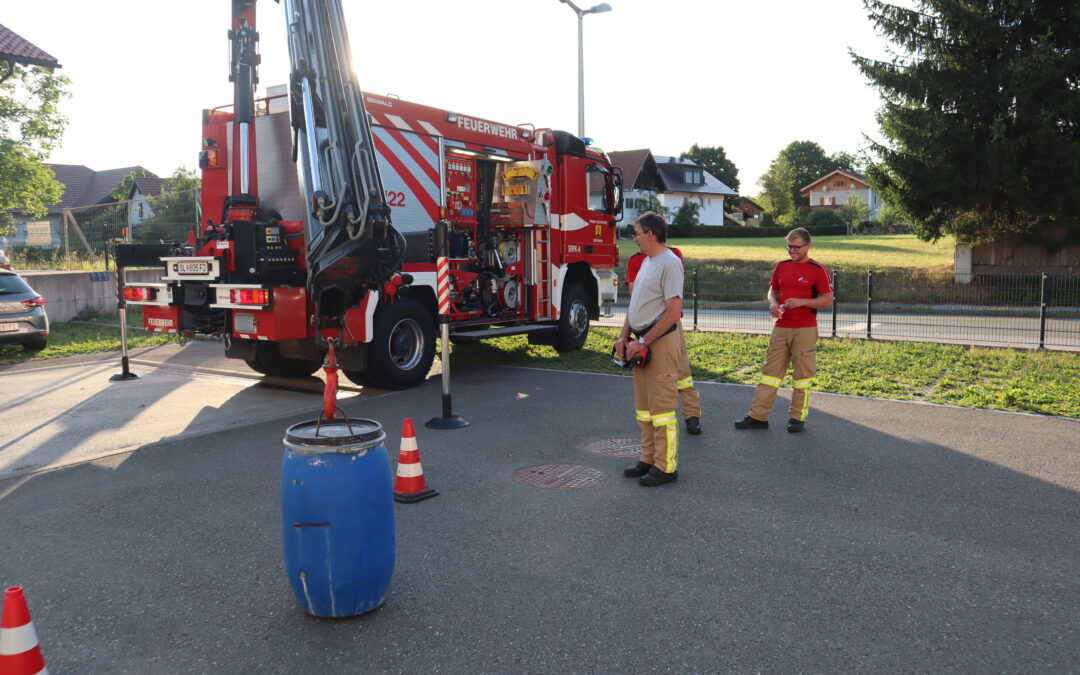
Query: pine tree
(981, 115)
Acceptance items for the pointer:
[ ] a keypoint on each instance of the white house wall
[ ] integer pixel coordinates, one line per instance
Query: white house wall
(712, 206)
(868, 196)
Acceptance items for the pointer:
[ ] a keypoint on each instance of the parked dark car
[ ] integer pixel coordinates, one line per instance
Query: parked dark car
(22, 314)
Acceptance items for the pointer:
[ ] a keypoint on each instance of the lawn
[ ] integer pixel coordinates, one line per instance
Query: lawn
(89, 334)
(1046, 383)
(861, 252)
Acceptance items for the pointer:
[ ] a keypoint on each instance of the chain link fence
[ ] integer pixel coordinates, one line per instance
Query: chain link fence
(1039, 310)
(87, 233)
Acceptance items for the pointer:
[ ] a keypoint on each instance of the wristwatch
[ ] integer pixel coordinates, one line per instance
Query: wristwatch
(642, 340)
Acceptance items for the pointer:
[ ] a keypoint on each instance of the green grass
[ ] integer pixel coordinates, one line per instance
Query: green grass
(1046, 383)
(877, 252)
(90, 334)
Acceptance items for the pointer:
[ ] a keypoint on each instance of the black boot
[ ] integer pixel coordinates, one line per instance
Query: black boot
(657, 477)
(638, 470)
(693, 426)
(751, 423)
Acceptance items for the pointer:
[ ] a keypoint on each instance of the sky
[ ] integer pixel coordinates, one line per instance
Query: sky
(748, 76)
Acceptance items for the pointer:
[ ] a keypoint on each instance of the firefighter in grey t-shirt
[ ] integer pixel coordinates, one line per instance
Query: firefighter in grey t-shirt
(655, 309)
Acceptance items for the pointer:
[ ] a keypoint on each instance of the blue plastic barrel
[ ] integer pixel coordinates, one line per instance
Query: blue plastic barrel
(337, 516)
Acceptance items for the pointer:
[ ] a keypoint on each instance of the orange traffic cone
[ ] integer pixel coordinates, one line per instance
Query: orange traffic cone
(409, 486)
(20, 653)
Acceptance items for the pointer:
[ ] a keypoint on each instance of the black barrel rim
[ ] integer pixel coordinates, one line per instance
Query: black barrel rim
(335, 433)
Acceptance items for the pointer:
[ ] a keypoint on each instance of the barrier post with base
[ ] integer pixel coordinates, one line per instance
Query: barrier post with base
(442, 270)
(121, 303)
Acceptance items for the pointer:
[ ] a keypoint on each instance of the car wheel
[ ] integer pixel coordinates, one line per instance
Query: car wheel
(35, 346)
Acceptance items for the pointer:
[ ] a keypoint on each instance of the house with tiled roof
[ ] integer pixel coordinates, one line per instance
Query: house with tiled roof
(685, 180)
(641, 179)
(83, 188)
(143, 190)
(673, 180)
(16, 50)
(834, 189)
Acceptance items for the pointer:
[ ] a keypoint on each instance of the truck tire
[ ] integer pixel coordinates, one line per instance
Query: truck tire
(574, 319)
(358, 377)
(269, 362)
(402, 347)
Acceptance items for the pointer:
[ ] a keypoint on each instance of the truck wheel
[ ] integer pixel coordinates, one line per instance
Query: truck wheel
(270, 362)
(403, 346)
(358, 377)
(574, 319)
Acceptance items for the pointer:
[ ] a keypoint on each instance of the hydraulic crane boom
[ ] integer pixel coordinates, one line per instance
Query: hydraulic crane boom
(351, 245)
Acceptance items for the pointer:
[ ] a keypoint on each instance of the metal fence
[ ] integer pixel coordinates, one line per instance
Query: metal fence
(1018, 310)
(89, 231)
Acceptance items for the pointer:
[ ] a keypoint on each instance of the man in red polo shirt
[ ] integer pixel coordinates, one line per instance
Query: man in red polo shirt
(688, 394)
(799, 288)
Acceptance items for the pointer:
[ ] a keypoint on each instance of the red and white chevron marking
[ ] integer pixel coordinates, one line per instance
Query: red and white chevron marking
(442, 272)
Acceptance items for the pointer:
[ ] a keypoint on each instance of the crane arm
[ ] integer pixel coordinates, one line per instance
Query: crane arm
(351, 244)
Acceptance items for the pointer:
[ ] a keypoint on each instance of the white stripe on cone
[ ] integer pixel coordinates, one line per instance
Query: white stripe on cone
(17, 640)
(409, 470)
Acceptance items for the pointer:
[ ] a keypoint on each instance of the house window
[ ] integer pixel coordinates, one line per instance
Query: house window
(828, 201)
(839, 183)
(824, 188)
(693, 177)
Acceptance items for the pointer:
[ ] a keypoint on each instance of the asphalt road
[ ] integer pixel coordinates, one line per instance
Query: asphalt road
(890, 536)
(987, 329)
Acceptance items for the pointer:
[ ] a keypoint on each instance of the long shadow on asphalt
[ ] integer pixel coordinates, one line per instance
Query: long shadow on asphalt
(889, 536)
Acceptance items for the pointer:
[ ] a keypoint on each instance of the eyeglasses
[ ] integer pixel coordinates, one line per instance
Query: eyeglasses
(795, 247)
(640, 234)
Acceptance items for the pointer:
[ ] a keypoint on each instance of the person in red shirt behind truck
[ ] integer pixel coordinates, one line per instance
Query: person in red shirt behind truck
(799, 288)
(688, 394)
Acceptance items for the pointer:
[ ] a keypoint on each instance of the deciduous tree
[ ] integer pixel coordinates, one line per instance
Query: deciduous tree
(716, 162)
(31, 126)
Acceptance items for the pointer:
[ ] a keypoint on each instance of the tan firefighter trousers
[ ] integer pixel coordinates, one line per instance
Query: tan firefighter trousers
(797, 346)
(656, 396)
(688, 394)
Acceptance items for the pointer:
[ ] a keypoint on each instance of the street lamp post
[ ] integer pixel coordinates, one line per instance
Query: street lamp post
(595, 9)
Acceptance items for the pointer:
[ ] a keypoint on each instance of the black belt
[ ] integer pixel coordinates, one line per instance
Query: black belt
(641, 333)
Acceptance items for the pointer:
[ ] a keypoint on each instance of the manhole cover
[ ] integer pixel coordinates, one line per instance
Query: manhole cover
(559, 476)
(616, 447)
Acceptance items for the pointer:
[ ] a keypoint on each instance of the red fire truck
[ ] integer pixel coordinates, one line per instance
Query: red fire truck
(529, 217)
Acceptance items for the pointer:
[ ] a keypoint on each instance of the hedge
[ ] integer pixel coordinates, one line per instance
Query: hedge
(704, 231)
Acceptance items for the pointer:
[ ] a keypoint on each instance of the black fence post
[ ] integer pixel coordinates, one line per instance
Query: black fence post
(695, 299)
(869, 302)
(834, 302)
(1042, 310)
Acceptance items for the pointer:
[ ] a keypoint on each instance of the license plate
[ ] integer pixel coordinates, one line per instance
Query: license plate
(193, 268)
(8, 327)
